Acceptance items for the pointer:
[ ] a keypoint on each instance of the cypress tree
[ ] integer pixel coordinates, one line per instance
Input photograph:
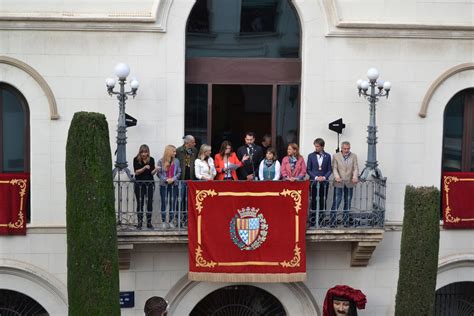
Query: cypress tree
(92, 255)
(419, 252)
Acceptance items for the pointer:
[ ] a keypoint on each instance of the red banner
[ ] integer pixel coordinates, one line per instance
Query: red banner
(247, 231)
(13, 203)
(458, 199)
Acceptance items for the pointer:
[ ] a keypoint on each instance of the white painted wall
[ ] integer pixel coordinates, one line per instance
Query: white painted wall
(76, 63)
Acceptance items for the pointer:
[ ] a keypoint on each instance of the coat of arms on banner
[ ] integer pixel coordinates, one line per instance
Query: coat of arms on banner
(248, 229)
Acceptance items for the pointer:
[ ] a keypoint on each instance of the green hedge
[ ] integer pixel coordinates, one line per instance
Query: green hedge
(419, 252)
(92, 255)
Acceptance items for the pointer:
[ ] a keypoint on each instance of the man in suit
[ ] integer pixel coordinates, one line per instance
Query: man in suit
(319, 170)
(249, 170)
(346, 175)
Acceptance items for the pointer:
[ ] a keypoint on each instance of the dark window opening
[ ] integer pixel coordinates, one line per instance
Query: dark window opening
(258, 16)
(458, 133)
(239, 300)
(14, 303)
(198, 21)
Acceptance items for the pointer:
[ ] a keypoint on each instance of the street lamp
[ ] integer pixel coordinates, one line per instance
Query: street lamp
(122, 71)
(371, 170)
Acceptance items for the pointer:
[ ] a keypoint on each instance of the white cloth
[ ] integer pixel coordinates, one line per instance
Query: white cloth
(205, 170)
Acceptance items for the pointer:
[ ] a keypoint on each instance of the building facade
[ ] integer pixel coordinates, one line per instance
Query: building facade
(54, 58)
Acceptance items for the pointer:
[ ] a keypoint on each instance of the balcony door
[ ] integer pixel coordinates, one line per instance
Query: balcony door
(243, 72)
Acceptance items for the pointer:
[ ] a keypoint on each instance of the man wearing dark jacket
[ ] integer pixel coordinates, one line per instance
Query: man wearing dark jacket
(319, 170)
(249, 171)
(186, 155)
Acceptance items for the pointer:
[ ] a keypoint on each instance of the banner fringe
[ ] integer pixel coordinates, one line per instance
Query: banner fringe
(247, 277)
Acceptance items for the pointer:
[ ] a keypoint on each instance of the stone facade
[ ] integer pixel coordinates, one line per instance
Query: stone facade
(412, 43)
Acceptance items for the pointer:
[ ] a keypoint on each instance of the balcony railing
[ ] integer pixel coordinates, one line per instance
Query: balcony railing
(367, 206)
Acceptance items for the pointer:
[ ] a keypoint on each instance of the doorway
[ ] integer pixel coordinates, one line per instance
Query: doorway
(239, 300)
(237, 109)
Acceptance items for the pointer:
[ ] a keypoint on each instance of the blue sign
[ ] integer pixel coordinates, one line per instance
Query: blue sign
(127, 299)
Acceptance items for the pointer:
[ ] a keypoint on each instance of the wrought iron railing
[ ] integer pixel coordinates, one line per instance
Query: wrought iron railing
(366, 208)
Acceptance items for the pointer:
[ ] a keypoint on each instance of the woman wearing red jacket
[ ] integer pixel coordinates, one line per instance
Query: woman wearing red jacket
(226, 162)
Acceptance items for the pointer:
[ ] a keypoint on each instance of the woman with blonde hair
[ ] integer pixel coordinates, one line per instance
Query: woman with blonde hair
(144, 167)
(292, 166)
(169, 173)
(204, 165)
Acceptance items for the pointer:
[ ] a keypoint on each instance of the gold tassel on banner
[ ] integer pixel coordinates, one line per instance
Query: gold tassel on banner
(247, 277)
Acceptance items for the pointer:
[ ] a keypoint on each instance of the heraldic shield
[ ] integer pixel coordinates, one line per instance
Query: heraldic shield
(248, 229)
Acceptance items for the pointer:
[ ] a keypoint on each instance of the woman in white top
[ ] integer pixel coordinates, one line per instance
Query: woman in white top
(270, 166)
(204, 165)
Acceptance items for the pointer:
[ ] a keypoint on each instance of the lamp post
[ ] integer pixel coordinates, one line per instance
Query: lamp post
(121, 71)
(371, 170)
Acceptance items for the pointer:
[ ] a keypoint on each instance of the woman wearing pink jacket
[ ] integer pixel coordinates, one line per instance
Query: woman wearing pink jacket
(293, 166)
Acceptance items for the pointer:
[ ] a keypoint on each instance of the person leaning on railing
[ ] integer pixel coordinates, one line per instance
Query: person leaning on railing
(226, 162)
(269, 167)
(169, 173)
(346, 175)
(144, 167)
(204, 164)
(292, 166)
(186, 155)
(319, 170)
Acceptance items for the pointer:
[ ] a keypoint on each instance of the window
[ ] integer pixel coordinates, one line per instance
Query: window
(245, 73)
(243, 29)
(458, 141)
(14, 133)
(14, 125)
(198, 21)
(258, 16)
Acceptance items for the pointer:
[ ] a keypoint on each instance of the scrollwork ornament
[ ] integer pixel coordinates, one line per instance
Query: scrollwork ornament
(296, 195)
(295, 262)
(20, 222)
(450, 218)
(201, 262)
(200, 196)
(448, 180)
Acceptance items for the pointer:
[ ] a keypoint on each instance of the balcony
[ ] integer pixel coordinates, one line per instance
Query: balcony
(362, 225)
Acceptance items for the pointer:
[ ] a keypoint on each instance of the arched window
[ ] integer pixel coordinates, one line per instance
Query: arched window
(458, 135)
(14, 127)
(239, 300)
(455, 299)
(14, 303)
(243, 71)
(14, 134)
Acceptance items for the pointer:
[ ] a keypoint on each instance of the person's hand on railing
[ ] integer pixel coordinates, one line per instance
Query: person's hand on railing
(170, 180)
(338, 179)
(321, 178)
(355, 180)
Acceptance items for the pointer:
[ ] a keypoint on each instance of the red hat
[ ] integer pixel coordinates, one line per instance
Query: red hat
(343, 291)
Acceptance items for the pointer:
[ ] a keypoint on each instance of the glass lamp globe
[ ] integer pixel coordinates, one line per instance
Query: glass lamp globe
(372, 74)
(122, 70)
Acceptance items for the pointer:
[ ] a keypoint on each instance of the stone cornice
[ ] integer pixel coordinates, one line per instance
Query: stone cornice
(363, 241)
(152, 20)
(337, 27)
